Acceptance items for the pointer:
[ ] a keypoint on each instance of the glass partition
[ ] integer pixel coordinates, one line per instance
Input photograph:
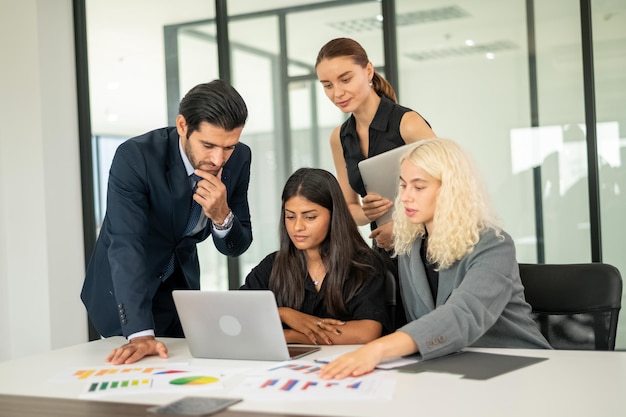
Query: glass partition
(465, 69)
(609, 52)
(508, 85)
(510, 88)
(129, 83)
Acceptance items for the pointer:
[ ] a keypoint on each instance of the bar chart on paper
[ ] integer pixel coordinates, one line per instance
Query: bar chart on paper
(123, 372)
(102, 381)
(119, 386)
(298, 380)
(160, 382)
(305, 369)
(89, 373)
(303, 385)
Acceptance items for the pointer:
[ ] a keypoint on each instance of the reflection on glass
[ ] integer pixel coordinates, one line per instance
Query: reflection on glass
(197, 55)
(609, 43)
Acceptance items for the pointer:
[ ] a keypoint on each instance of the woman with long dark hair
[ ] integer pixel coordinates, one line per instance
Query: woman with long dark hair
(329, 284)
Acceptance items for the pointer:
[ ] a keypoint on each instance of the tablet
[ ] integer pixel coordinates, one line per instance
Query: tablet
(381, 175)
(194, 406)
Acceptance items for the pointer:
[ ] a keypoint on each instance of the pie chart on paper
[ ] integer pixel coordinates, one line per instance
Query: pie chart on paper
(194, 380)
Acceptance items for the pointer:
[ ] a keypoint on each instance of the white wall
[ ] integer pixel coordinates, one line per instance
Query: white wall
(41, 247)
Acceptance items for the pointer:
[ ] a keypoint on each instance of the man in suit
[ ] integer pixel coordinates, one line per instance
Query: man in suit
(147, 245)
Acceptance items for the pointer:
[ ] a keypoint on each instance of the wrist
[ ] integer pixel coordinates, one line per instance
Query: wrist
(282, 314)
(147, 332)
(140, 339)
(226, 223)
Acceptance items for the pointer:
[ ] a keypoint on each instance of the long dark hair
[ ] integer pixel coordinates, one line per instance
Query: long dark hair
(341, 47)
(346, 256)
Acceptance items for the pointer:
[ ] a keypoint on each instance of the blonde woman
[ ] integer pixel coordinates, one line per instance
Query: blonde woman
(458, 271)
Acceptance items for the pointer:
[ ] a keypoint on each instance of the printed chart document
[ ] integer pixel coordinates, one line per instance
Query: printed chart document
(298, 380)
(279, 381)
(179, 378)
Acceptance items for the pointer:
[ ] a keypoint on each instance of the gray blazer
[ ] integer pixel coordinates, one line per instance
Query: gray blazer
(480, 301)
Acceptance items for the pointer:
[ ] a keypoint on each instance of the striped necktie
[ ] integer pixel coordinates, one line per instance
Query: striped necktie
(196, 209)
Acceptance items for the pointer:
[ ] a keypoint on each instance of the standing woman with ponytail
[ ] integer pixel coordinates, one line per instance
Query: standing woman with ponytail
(377, 124)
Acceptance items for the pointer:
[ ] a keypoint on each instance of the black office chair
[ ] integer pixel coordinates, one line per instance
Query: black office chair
(575, 305)
(390, 299)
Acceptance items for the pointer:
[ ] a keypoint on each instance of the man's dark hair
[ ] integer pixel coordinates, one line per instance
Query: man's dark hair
(217, 103)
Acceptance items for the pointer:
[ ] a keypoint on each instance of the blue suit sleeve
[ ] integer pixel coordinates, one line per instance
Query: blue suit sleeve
(129, 232)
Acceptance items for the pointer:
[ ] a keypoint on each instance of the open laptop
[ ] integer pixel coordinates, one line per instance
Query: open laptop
(380, 175)
(234, 325)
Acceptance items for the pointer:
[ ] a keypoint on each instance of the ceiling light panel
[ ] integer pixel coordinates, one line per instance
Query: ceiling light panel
(402, 19)
(478, 48)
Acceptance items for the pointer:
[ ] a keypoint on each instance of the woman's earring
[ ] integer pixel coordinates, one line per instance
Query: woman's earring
(370, 83)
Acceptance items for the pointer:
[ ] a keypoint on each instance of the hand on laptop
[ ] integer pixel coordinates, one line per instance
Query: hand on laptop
(136, 349)
(374, 206)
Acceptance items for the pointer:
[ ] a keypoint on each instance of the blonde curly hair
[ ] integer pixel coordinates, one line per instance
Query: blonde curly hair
(462, 211)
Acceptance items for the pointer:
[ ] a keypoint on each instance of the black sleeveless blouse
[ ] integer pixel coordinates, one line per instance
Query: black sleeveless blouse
(384, 135)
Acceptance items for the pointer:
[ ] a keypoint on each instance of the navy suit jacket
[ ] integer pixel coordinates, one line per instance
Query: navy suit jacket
(148, 201)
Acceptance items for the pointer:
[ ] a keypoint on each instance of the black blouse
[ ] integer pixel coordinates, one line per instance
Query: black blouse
(384, 135)
(367, 304)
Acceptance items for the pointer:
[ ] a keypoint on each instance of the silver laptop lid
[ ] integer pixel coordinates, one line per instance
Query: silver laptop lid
(231, 324)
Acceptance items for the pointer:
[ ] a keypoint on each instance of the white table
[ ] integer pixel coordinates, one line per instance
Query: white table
(568, 383)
